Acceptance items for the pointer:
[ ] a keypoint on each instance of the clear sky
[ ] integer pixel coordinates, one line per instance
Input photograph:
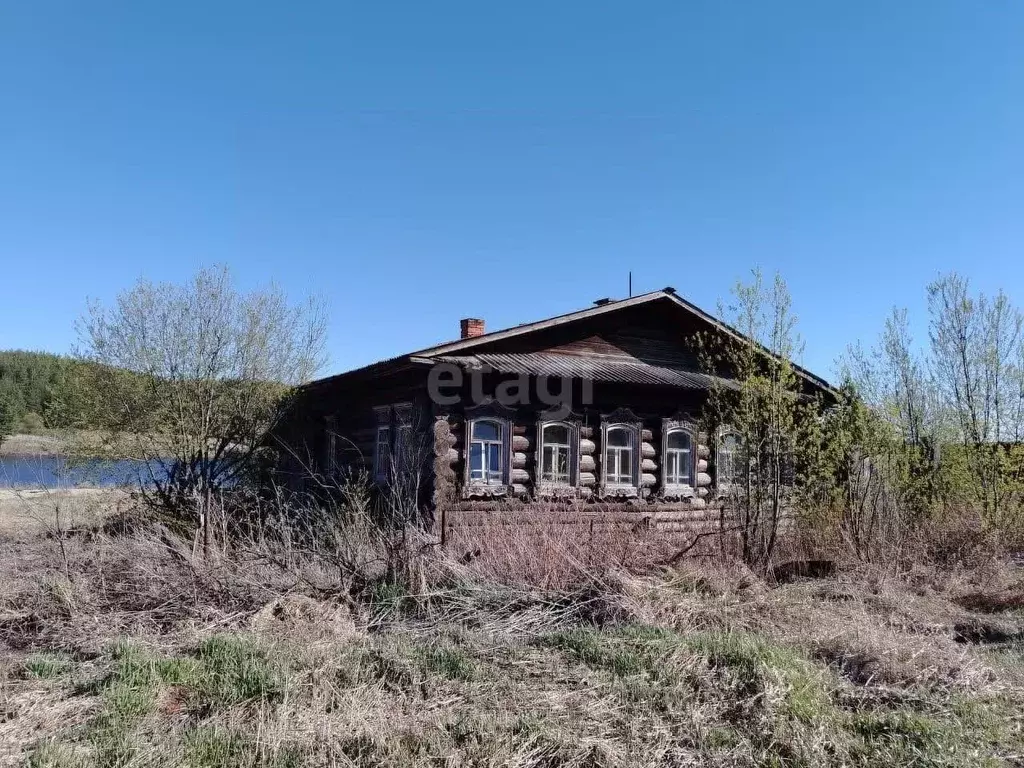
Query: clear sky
(421, 162)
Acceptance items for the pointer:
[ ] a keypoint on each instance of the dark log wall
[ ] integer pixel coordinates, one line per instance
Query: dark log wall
(339, 413)
(652, 405)
(333, 426)
(656, 335)
(346, 411)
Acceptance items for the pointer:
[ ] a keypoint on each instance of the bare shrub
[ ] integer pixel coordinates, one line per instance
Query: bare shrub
(553, 549)
(191, 377)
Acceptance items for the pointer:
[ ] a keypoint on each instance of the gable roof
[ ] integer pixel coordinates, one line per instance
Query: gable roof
(581, 367)
(462, 350)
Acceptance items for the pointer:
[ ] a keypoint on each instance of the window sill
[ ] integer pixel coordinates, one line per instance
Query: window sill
(620, 491)
(483, 490)
(550, 489)
(678, 491)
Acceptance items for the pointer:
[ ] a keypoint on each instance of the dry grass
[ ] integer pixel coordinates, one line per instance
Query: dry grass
(32, 445)
(65, 442)
(29, 512)
(538, 550)
(543, 650)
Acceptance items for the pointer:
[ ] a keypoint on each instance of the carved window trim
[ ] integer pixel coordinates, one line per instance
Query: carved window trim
(572, 425)
(498, 414)
(687, 426)
(625, 419)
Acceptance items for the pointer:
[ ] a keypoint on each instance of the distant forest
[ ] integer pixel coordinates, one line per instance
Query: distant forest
(41, 391)
(33, 390)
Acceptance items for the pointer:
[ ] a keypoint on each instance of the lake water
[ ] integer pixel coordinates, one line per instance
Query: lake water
(57, 472)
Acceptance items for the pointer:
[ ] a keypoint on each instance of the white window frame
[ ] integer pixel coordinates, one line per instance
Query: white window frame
(634, 457)
(673, 484)
(504, 457)
(572, 455)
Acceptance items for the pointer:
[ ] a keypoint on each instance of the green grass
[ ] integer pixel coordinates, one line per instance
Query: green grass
(755, 666)
(56, 755)
(128, 695)
(46, 666)
(903, 737)
(233, 670)
(624, 653)
(212, 747)
(222, 672)
(451, 663)
(771, 701)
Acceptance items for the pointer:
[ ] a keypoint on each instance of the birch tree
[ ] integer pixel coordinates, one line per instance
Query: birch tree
(190, 377)
(976, 359)
(766, 410)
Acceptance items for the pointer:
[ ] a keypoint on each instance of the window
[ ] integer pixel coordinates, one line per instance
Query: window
(402, 454)
(729, 465)
(556, 454)
(404, 448)
(618, 456)
(679, 458)
(487, 452)
(382, 454)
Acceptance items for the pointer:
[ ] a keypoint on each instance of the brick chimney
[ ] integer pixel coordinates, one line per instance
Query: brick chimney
(471, 327)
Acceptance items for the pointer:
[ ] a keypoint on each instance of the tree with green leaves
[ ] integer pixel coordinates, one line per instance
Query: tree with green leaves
(955, 403)
(764, 406)
(893, 378)
(978, 368)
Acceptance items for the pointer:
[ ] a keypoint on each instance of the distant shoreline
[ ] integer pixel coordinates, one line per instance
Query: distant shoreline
(32, 445)
(80, 443)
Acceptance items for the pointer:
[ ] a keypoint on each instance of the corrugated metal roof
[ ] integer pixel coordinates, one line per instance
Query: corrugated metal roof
(596, 369)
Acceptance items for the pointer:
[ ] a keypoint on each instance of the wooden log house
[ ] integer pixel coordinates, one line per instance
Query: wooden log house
(598, 407)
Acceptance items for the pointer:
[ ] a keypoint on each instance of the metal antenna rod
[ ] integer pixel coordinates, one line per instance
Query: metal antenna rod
(631, 284)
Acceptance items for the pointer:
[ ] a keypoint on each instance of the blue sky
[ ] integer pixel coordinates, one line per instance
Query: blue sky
(420, 162)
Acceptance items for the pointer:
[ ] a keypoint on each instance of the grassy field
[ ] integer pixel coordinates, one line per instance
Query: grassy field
(126, 650)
